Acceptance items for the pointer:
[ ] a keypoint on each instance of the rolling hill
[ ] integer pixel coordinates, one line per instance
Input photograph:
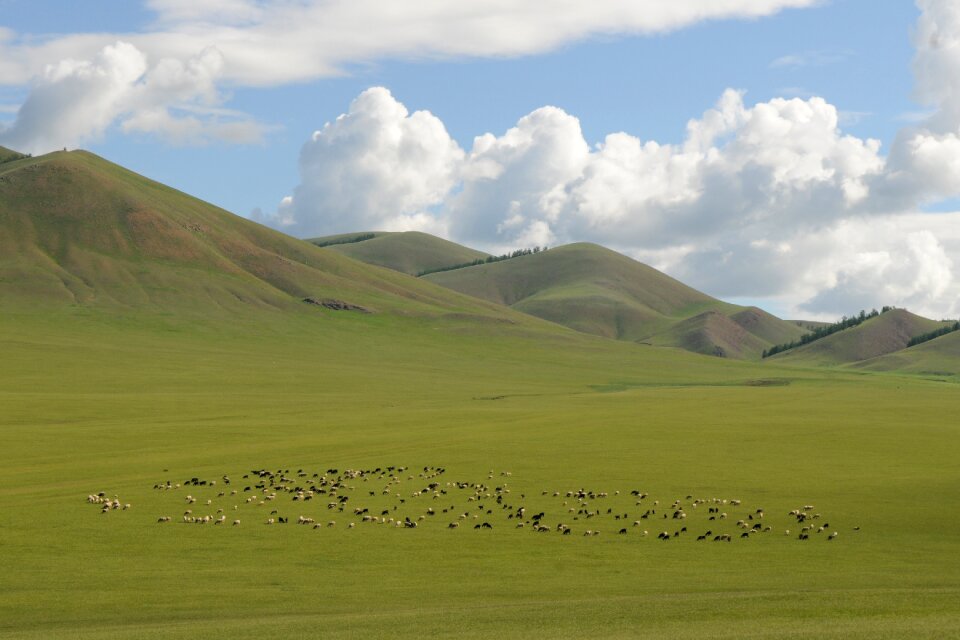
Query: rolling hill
(76, 230)
(713, 333)
(595, 290)
(885, 334)
(938, 357)
(410, 252)
(8, 155)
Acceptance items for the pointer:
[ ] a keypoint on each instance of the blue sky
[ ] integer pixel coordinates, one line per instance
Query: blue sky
(648, 81)
(859, 58)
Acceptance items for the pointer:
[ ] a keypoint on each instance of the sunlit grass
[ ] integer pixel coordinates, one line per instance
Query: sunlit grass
(89, 405)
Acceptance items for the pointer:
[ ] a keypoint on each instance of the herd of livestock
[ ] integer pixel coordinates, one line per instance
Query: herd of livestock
(398, 497)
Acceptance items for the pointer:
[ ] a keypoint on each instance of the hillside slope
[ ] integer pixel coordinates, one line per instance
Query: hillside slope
(887, 333)
(410, 252)
(938, 357)
(595, 290)
(713, 333)
(78, 230)
(8, 155)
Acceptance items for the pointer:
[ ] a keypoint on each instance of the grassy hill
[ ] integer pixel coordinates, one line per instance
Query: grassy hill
(766, 326)
(78, 230)
(886, 333)
(8, 155)
(938, 357)
(410, 252)
(595, 290)
(712, 333)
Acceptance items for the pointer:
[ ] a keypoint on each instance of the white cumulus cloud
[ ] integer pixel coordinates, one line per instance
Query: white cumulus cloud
(375, 167)
(869, 263)
(770, 199)
(76, 101)
(514, 185)
(924, 161)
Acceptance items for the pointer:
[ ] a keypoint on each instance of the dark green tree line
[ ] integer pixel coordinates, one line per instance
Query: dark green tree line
(823, 332)
(487, 260)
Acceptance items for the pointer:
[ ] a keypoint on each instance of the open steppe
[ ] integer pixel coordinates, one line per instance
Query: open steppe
(126, 364)
(93, 404)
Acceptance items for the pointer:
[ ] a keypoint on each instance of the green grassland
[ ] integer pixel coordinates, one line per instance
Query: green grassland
(146, 336)
(94, 403)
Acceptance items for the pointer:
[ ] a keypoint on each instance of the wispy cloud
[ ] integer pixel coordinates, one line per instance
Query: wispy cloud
(795, 92)
(814, 58)
(852, 118)
(915, 117)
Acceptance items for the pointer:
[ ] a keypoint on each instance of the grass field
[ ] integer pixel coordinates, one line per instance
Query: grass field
(118, 403)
